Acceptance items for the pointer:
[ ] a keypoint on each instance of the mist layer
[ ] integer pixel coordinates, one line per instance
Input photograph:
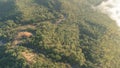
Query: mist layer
(112, 8)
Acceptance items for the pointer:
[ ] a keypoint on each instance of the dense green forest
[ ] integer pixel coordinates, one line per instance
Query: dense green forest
(57, 34)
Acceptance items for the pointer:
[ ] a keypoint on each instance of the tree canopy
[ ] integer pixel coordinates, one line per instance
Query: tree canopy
(57, 34)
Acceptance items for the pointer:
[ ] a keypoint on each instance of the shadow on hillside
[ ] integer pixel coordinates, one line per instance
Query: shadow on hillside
(7, 60)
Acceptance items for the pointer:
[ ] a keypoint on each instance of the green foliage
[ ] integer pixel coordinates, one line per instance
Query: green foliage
(8, 59)
(57, 34)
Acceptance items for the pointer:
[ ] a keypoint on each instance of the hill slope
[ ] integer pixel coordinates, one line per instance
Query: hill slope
(57, 34)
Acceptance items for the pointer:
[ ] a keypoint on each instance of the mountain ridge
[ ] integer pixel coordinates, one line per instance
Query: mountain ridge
(57, 34)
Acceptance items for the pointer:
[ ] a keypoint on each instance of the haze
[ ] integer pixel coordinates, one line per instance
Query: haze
(112, 8)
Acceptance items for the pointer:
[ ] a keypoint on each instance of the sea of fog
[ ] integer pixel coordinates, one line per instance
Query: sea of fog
(112, 8)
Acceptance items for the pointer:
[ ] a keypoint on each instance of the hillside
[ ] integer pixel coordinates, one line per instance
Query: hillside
(57, 34)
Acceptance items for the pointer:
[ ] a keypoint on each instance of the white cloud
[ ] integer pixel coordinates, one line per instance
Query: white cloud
(112, 8)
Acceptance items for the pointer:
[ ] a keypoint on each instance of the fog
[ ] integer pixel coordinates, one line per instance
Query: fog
(112, 8)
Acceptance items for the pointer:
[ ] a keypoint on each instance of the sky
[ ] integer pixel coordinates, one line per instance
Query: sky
(112, 8)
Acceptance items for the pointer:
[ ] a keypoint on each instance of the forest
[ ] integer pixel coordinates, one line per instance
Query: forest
(57, 34)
